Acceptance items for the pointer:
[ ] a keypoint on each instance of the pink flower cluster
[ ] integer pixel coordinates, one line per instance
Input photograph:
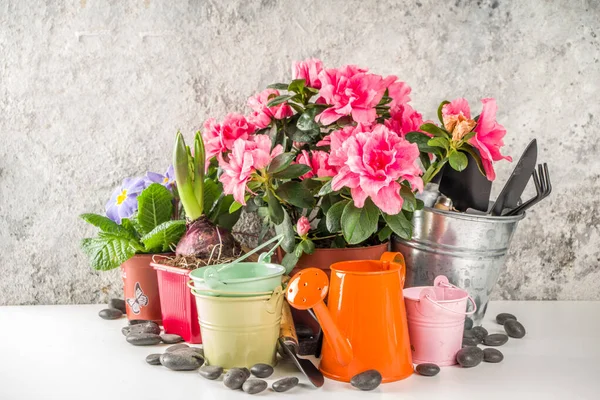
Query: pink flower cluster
(263, 115)
(372, 161)
(246, 157)
(318, 161)
(488, 132)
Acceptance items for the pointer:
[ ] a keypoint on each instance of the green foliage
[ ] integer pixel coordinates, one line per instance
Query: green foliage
(359, 223)
(155, 206)
(399, 224)
(165, 235)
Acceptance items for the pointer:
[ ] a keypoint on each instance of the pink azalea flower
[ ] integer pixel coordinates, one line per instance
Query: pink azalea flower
(376, 161)
(399, 92)
(488, 137)
(318, 161)
(303, 226)
(245, 158)
(350, 91)
(219, 137)
(262, 115)
(456, 116)
(405, 119)
(308, 70)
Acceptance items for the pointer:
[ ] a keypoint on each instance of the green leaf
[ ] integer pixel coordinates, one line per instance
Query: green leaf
(359, 223)
(275, 210)
(297, 85)
(212, 191)
(307, 246)
(434, 130)
(410, 201)
(293, 171)
(421, 139)
(106, 224)
(278, 86)
(108, 251)
(223, 217)
(287, 229)
(399, 224)
(280, 99)
(234, 207)
(307, 122)
(424, 157)
(468, 136)
(439, 142)
(384, 233)
(289, 262)
(439, 111)
(333, 218)
(458, 160)
(182, 166)
(296, 194)
(281, 162)
(155, 205)
(475, 154)
(164, 236)
(325, 189)
(128, 225)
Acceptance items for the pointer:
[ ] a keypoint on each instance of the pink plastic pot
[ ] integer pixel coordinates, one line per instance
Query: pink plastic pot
(436, 319)
(178, 305)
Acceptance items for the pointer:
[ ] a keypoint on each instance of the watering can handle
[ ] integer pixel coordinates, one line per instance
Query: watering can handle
(452, 311)
(395, 257)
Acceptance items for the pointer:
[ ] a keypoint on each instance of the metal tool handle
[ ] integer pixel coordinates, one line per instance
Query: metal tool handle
(287, 330)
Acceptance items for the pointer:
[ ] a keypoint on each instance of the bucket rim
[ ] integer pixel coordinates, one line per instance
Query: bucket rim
(279, 272)
(233, 299)
(474, 217)
(438, 301)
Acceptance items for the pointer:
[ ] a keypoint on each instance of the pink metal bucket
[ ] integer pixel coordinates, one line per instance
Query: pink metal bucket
(436, 318)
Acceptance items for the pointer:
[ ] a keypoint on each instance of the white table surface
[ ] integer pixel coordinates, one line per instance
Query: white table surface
(68, 352)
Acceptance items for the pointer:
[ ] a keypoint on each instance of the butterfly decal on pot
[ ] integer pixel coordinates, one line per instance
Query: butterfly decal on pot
(139, 300)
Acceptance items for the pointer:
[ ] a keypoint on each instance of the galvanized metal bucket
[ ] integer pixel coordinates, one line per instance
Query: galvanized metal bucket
(468, 249)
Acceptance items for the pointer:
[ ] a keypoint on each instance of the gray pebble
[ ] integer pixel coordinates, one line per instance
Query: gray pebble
(211, 372)
(469, 357)
(469, 342)
(468, 333)
(479, 332)
(262, 370)
(153, 359)
(514, 328)
(303, 332)
(468, 323)
(169, 338)
(143, 339)
(428, 369)
(139, 321)
(110, 313)
(246, 372)
(492, 355)
(178, 361)
(234, 378)
(495, 339)
(367, 380)
(119, 304)
(503, 317)
(254, 386)
(177, 347)
(285, 384)
(145, 327)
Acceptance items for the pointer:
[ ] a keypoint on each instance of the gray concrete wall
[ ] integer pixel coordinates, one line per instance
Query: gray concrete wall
(93, 91)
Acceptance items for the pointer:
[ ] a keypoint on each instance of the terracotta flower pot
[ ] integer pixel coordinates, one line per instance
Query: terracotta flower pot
(140, 287)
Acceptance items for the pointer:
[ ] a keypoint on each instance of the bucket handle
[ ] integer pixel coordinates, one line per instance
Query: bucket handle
(452, 311)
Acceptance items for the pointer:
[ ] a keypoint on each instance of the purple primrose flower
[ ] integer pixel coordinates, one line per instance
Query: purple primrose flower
(167, 180)
(123, 202)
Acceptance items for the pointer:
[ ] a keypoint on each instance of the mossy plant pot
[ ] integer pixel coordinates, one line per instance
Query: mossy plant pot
(140, 287)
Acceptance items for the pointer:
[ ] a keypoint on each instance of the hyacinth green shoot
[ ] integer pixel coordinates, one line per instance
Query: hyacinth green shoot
(189, 174)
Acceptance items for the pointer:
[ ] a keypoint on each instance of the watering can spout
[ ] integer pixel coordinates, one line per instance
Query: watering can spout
(307, 289)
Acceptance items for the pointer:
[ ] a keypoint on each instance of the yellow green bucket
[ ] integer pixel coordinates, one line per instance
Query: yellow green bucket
(239, 331)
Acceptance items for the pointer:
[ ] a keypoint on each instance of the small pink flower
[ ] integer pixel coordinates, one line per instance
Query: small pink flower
(350, 91)
(308, 70)
(245, 158)
(405, 119)
(219, 137)
(303, 226)
(262, 115)
(457, 118)
(318, 161)
(488, 137)
(373, 162)
(399, 92)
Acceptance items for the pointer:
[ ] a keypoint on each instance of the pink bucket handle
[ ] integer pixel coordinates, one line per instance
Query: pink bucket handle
(428, 297)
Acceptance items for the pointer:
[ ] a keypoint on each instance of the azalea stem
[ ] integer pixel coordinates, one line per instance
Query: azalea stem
(325, 237)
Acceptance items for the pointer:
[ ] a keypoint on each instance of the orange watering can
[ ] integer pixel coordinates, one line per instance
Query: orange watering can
(365, 320)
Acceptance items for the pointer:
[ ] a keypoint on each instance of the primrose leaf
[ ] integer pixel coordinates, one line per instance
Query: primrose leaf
(106, 224)
(108, 250)
(155, 206)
